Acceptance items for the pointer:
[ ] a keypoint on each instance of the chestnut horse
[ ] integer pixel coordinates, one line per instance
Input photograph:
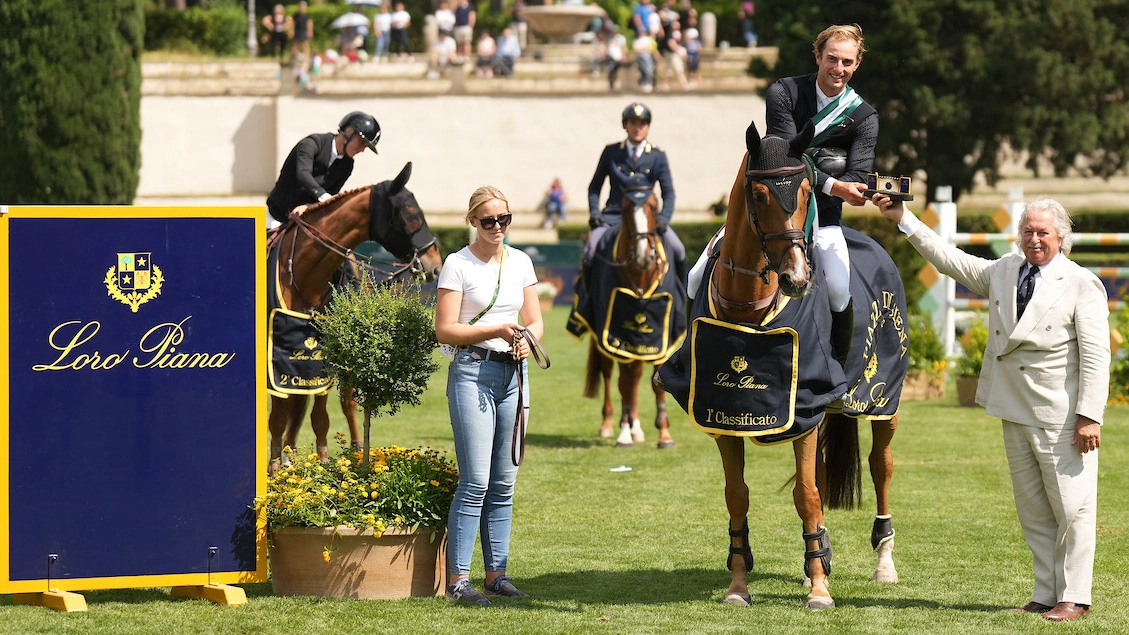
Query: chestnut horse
(639, 263)
(759, 361)
(312, 248)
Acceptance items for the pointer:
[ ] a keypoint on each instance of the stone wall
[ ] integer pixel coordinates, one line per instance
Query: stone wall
(216, 146)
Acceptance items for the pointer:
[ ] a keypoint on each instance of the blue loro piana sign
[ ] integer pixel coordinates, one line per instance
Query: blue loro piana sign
(133, 342)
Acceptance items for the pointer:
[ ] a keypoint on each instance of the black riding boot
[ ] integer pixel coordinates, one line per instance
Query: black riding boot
(842, 329)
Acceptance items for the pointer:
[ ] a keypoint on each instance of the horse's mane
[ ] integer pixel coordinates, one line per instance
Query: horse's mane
(336, 198)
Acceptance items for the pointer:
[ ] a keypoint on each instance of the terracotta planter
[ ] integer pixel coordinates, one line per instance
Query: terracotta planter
(966, 391)
(920, 385)
(397, 565)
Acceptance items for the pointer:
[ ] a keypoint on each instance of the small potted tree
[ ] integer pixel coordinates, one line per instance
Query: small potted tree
(370, 523)
(968, 365)
(927, 362)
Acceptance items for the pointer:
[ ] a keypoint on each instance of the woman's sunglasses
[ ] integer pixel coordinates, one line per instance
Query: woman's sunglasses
(488, 223)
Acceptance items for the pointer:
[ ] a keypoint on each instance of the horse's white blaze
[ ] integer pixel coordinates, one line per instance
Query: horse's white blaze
(641, 255)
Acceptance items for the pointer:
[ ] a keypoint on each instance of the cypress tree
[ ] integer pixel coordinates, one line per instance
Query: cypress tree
(70, 118)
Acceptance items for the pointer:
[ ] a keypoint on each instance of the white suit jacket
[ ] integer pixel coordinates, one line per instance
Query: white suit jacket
(1049, 366)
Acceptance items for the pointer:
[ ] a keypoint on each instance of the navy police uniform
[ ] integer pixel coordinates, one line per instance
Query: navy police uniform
(652, 165)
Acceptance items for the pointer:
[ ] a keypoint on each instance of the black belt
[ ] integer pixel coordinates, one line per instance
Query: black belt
(481, 352)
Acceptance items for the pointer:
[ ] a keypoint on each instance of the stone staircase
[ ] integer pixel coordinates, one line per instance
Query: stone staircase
(543, 69)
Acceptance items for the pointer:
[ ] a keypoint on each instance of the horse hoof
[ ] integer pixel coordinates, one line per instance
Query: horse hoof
(886, 574)
(623, 444)
(737, 599)
(819, 604)
(666, 445)
(606, 433)
(637, 436)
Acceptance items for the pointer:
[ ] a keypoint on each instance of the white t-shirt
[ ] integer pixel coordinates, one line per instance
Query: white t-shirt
(476, 280)
(445, 20)
(400, 19)
(384, 22)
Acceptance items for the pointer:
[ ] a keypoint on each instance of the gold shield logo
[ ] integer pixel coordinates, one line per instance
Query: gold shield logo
(134, 280)
(739, 364)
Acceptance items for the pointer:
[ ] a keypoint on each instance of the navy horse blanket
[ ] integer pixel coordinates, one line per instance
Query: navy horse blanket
(628, 325)
(773, 382)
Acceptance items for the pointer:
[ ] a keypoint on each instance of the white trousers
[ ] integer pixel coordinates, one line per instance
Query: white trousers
(836, 263)
(1056, 498)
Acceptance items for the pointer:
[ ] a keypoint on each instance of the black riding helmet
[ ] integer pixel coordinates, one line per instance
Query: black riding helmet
(637, 110)
(362, 124)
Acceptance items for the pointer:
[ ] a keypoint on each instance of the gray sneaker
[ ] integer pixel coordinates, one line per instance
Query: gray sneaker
(504, 586)
(462, 591)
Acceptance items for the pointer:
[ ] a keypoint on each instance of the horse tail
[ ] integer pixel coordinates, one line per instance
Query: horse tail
(592, 374)
(839, 447)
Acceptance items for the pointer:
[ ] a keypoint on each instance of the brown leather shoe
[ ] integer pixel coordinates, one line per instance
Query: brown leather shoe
(1066, 612)
(1032, 607)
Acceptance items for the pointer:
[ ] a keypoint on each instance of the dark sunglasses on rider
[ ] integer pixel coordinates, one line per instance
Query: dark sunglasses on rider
(488, 223)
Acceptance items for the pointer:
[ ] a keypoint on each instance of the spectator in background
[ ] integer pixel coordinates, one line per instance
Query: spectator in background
(517, 21)
(303, 33)
(687, 15)
(399, 24)
(641, 17)
(554, 204)
(279, 27)
(382, 24)
(616, 54)
(508, 52)
(675, 56)
(745, 14)
(361, 35)
(693, 47)
(445, 17)
(487, 49)
(644, 49)
(465, 19)
(442, 55)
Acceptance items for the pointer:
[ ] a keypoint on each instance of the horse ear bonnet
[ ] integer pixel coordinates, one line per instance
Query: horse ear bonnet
(774, 155)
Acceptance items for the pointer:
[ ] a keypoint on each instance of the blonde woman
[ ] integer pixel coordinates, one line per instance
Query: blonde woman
(484, 290)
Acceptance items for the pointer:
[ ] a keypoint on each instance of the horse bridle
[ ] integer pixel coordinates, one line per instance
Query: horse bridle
(414, 265)
(795, 237)
(652, 236)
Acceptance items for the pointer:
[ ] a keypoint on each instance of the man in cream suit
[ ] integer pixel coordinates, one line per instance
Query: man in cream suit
(1046, 374)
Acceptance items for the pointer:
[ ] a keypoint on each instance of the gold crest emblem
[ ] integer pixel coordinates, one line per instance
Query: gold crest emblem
(134, 280)
(739, 364)
(871, 368)
(311, 343)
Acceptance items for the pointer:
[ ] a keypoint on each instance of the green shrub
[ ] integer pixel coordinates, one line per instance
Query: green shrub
(70, 119)
(378, 341)
(1119, 368)
(216, 31)
(972, 343)
(926, 350)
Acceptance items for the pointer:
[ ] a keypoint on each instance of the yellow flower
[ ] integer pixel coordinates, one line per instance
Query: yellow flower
(435, 483)
(325, 555)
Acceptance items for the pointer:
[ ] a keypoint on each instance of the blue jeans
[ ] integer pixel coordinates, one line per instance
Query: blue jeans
(482, 399)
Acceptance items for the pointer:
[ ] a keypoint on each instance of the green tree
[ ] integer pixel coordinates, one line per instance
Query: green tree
(959, 84)
(70, 119)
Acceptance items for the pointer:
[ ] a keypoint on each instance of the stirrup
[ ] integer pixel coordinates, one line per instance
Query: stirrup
(745, 552)
(881, 531)
(823, 553)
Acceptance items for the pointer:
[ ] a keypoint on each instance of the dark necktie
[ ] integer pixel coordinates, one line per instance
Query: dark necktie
(1026, 288)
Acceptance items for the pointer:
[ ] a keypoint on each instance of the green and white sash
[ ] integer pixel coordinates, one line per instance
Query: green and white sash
(834, 113)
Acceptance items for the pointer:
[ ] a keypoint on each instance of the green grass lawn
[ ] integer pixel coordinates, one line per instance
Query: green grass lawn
(644, 551)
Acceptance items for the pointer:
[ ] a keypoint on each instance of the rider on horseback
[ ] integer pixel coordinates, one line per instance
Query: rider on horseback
(633, 156)
(319, 165)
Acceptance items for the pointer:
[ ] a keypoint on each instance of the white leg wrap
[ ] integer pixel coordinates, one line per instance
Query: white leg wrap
(885, 571)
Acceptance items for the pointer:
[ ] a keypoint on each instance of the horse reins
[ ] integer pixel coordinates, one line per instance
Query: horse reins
(517, 446)
(415, 265)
